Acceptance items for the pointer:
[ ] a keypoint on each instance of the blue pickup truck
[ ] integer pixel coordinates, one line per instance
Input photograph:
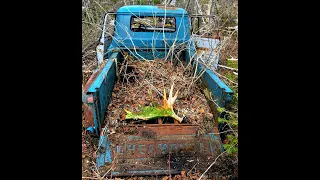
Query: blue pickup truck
(145, 33)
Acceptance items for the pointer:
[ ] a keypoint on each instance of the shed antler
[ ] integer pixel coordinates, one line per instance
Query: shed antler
(168, 103)
(154, 112)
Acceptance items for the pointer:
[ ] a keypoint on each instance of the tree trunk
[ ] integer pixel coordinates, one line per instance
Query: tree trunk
(187, 7)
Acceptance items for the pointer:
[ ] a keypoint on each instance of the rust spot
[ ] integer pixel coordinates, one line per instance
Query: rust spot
(90, 99)
(149, 134)
(88, 115)
(90, 81)
(164, 129)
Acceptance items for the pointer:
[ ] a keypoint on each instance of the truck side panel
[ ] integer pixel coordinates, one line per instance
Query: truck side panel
(220, 91)
(101, 91)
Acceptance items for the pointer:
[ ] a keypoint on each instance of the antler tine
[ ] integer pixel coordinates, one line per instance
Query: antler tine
(175, 97)
(164, 94)
(170, 93)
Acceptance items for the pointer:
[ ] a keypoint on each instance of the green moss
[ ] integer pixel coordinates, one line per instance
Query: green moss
(232, 64)
(232, 146)
(220, 110)
(232, 76)
(148, 112)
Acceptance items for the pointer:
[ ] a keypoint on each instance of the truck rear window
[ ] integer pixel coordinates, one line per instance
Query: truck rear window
(153, 23)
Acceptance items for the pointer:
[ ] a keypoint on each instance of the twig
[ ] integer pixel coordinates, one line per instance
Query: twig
(94, 42)
(192, 168)
(89, 178)
(226, 67)
(215, 72)
(106, 173)
(235, 133)
(96, 169)
(225, 131)
(224, 77)
(154, 88)
(169, 163)
(212, 164)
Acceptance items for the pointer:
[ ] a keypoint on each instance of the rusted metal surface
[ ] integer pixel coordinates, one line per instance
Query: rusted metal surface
(145, 149)
(88, 115)
(160, 130)
(93, 77)
(89, 99)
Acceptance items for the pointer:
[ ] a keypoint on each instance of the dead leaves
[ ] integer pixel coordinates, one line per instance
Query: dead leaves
(183, 173)
(148, 90)
(165, 178)
(123, 116)
(142, 102)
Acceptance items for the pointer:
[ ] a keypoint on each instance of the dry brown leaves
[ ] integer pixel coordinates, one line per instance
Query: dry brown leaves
(142, 84)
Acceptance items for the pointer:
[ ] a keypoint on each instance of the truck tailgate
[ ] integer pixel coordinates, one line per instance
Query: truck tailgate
(157, 149)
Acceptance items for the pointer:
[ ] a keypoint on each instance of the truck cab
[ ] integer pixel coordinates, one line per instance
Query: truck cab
(148, 32)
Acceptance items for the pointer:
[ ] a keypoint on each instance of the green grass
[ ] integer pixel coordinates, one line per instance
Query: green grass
(232, 64)
(232, 76)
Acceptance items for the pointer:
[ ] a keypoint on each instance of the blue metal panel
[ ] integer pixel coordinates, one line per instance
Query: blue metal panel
(125, 38)
(214, 137)
(219, 89)
(104, 151)
(144, 9)
(97, 83)
(101, 89)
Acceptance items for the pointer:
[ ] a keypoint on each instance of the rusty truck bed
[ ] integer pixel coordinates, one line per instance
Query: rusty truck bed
(157, 149)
